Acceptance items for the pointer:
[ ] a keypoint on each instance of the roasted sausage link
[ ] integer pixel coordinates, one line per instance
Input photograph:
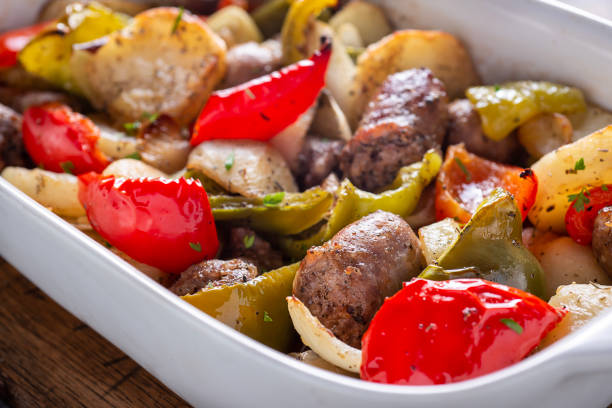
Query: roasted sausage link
(344, 282)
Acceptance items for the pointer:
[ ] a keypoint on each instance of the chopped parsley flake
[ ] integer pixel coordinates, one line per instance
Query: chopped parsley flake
(229, 161)
(274, 199)
(579, 165)
(604, 187)
(579, 199)
(132, 127)
(196, 246)
(248, 241)
(249, 93)
(107, 244)
(67, 166)
(151, 117)
(135, 156)
(497, 88)
(514, 326)
(468, 175)
(267, 317)
(178, 19)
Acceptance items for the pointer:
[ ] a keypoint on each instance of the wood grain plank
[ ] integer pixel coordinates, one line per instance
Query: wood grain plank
(48, 358)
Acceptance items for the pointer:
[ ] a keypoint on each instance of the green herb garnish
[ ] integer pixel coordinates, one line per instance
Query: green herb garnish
(468, 175)
(273, 199)
(151, 117)
(248, 241)
(196, 246)
(267, 317)
(604, 187)
(579, 165)
(132, 127)
(249, 93)
(514, 326)
(497, 88)
(229, 161)
(67, 166)
(107, 244)
(178, 19)
(135, 156)
(579, 199)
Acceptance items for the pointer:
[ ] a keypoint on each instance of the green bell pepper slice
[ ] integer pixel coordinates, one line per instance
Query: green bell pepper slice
(48, 55)
(490, 247)
(505, 107)
(256, 308)
(400, 198)
(294, 214)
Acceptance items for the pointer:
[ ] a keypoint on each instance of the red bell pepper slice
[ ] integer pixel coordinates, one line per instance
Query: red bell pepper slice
(580, 216)
(59, 139)
(12, 42)
(167, 224)
(259, 109)
(465, 180)
(448, 331)
(244, 4)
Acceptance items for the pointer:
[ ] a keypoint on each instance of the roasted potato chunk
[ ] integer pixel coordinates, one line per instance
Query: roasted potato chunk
(441, 52)
(153, 66)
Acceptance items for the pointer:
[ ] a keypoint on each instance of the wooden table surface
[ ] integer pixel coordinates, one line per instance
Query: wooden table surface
(48, 358)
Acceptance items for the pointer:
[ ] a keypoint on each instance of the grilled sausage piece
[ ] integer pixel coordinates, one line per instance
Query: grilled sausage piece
(344, 282)
(318, 158)
(602, 239)
(214, 272)
(465, 127)
(406, 118)
(12, 151)
(244, 243)
(251, 60)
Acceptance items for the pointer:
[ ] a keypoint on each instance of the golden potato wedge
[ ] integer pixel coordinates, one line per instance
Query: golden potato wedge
(55, 9)
(57, 191)
(367, 18)
(234, 25)
(441, 52)
(246, 167)
(557, 180)
(544, 133)
(153, 66)
(583, 302)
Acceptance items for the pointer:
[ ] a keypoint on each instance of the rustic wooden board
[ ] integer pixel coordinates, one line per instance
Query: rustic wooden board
(50, 358)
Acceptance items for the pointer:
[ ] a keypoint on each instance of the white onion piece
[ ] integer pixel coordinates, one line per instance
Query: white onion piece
(321, 340)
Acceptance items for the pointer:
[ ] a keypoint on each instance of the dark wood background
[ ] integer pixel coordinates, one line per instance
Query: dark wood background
(48, 358)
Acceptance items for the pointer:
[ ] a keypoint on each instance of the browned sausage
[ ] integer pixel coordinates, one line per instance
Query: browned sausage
(406, 118)
(344, 281)
(602, 239)
(244, 243)
(318, 158)
(465, 127)
(12, 150)
(214, 272)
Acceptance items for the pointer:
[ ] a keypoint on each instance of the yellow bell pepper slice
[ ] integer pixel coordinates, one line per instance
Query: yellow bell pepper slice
(400, 198)
(48, 55)
(293, 33)
(505, 107)
(256, 308)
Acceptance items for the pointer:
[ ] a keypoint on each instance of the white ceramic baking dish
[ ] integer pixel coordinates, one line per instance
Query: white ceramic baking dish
(210, 364)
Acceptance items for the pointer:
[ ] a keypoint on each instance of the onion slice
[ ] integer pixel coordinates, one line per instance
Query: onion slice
(321, 340)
